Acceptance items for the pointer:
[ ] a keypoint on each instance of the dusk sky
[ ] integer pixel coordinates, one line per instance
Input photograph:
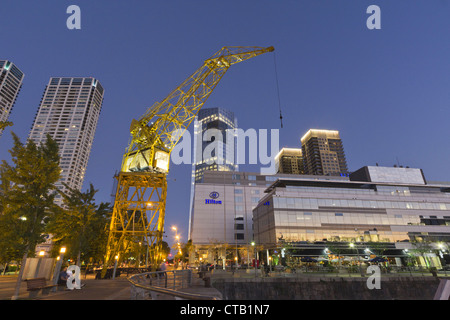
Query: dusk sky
(387, 91)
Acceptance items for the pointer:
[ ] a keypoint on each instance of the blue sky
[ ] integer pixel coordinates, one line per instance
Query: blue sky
(386, 91)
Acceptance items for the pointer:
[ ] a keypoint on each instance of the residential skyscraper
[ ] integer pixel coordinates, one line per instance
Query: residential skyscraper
(69, 113)
(290, 161)
(211, 153)
(11, 79)
(323, 152)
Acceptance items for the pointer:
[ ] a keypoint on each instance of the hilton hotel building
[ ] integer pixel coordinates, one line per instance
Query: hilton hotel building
(222, 212)
(376, 208)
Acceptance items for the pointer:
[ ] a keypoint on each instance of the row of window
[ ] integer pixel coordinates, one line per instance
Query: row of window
(253, 177)
(305, 203)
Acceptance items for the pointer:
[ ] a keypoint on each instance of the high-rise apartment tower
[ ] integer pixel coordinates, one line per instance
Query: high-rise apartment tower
(290, 161)
(11, 79)
(69, 113)
(323, 152)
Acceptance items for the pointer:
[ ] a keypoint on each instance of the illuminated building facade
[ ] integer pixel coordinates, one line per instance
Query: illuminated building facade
(323, 153)
(290, 161)
(222, 213)
(383, 210)
(214, 148)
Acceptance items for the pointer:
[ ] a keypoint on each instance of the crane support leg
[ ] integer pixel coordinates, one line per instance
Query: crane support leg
(138, 216)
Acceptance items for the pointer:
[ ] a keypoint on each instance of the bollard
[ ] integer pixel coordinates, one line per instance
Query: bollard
(207, 282)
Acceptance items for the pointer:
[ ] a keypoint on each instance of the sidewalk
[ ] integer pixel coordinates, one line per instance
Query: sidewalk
(118, 289)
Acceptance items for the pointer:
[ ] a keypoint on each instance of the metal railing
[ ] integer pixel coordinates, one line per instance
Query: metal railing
(332, 271)
(163, 285)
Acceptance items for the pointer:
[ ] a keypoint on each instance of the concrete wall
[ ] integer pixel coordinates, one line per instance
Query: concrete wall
(399, 288)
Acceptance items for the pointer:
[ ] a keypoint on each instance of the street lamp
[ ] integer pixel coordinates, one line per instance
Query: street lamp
(254, 259)
(352, 245)
(116, 258)
(58, 267)
(177, 238)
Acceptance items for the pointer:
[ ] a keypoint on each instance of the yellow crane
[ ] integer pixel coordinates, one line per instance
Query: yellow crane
(140, 200)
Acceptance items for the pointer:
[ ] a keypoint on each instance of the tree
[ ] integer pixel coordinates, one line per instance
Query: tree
(28, 193)
(422, 247)
(4, 124)
(81, 224)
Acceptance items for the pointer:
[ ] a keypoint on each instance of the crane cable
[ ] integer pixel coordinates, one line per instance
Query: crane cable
(278, 88)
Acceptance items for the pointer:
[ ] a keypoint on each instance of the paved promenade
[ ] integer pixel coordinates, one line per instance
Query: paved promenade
(118, 289)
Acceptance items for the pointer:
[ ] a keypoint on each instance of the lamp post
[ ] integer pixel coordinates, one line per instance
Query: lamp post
(177, 238)
(41, 255)
(59, 262)
(352, 245)
(253, 244)
(116, 258)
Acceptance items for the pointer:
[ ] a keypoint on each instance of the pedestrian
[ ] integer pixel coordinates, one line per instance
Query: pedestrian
(163, 268)
(63, 276)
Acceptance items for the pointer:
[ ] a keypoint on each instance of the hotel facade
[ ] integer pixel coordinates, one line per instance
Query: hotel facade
(222, 217)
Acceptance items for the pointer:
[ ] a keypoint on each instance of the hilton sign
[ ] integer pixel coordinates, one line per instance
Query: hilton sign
(213, 195)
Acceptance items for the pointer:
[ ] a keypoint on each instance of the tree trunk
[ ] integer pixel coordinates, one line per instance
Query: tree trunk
(79, 258)
(19, 278)
(6, 267)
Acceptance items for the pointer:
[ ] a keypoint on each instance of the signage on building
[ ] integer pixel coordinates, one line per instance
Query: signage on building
(213, 195)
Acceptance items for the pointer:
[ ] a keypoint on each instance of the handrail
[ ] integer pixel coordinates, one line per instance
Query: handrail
(180, 277)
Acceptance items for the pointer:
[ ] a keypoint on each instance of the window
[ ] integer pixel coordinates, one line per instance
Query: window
(339, 214)
(251, 177)
(238, 191)
(239, 236)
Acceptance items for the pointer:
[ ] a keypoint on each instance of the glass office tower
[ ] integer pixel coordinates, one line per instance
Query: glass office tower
(214, 145)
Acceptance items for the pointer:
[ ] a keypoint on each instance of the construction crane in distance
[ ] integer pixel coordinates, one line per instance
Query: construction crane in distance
(140, 199)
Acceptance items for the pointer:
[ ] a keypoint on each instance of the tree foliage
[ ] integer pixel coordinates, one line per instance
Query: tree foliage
(27, 192)
(81, 225)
